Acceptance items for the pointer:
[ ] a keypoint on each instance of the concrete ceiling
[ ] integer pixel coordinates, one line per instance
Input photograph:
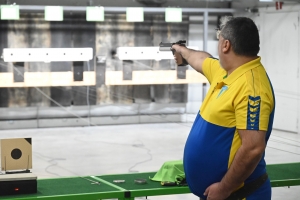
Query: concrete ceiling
(126, 3)
(236, 4)
(151, 3)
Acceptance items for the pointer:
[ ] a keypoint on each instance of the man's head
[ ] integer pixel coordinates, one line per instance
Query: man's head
(238, 35)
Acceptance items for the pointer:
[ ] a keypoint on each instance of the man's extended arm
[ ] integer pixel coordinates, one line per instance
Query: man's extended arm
(193, 57)
(244, 163)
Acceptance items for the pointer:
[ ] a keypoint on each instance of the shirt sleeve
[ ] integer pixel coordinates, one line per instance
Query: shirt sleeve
(252, 112)
(210, 67)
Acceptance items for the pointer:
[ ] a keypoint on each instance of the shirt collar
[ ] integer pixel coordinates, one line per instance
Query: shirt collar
(242, 70)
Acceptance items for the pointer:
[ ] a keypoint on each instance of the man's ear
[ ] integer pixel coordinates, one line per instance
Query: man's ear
(226, 46)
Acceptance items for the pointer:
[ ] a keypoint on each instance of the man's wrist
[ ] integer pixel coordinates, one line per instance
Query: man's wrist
(225, 187)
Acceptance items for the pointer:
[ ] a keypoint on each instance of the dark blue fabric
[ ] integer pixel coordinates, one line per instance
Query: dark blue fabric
(206, 154)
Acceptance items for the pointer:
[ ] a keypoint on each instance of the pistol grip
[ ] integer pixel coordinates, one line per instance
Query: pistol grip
(180, 60)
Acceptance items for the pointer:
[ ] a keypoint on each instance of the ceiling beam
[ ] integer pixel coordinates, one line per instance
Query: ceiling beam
(122, 10)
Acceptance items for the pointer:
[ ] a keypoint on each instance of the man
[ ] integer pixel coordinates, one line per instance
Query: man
(224, 153)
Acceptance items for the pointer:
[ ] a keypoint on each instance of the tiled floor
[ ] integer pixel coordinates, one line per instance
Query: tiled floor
(79, 151)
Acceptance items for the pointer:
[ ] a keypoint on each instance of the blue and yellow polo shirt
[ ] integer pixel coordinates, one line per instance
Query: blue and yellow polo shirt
(243, 100)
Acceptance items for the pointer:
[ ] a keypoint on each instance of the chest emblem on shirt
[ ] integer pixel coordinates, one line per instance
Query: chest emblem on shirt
(223, 89)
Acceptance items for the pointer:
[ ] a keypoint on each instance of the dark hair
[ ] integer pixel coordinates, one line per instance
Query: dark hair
(242, 34)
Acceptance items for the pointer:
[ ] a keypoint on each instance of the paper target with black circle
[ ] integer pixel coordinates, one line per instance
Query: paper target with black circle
(16, 154)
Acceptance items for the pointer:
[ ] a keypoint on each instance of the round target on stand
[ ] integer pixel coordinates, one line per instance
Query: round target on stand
(16, 154)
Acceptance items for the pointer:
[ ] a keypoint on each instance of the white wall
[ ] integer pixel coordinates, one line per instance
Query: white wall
(279, 36)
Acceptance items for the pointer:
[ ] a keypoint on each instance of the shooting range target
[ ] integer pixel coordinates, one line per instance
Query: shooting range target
(16, 154)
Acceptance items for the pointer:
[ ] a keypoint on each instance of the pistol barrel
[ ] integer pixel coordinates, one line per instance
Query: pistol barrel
(165, 46)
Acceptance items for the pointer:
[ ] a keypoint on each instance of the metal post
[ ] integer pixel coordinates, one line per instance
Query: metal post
(205, 30)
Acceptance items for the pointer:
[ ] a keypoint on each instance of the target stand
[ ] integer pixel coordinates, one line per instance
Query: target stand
(16, 162)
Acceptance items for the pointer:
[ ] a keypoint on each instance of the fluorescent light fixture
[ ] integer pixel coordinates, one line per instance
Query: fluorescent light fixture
(10, 12)
(134, 14)
(47, 54)
(54, 13)
(266, 0)
(173, 15)
(94, 13)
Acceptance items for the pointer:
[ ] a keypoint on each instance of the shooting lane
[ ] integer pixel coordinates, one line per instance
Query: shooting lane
(104, 186)
(132, 93)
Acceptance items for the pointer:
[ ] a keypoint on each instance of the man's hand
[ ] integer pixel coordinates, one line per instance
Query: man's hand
(178, 48)
(177, 55)
(193, 57)
(216, 192)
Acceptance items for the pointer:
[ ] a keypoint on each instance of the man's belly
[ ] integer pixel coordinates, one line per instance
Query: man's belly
(206, 154)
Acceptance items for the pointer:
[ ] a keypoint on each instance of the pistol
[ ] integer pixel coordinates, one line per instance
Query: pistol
(168, 47)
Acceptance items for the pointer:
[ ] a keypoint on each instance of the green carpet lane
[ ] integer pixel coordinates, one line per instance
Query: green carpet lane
(151, 188)
(129, 181)
(284, 171)
(280, 175)
(277, 173)
(65, 186)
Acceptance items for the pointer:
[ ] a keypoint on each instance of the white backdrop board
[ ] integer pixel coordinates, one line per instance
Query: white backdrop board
(280, 56)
